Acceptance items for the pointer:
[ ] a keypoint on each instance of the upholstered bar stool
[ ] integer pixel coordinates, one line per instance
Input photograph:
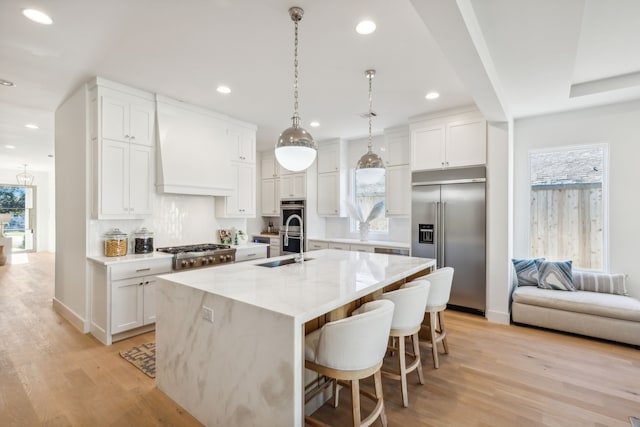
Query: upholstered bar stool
(409, 302)
(441, 281)
(351, 349)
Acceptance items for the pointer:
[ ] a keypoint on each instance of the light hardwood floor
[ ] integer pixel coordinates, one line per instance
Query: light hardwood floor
(495, 375)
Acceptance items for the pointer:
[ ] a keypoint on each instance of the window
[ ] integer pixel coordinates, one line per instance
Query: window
(17, 201)
(366, 196)
(567, 205)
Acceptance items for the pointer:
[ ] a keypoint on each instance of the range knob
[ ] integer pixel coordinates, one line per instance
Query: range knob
(221, 258)
(205, 261)
(192, 262)
(183, 263)
(229, 257)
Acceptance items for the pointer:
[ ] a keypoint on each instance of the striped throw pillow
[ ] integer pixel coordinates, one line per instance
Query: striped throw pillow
(600, 282)
(555, 275)
(526, 271)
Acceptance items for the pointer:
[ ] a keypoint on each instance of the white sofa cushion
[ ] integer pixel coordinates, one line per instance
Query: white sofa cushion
(599, 304)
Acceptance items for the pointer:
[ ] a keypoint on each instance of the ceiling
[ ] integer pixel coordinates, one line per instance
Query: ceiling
(513, 58)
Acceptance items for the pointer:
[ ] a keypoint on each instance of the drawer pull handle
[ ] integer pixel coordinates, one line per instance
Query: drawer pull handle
(252, 254)
(143, 269)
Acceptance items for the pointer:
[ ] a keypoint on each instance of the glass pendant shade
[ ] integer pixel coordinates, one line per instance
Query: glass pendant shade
(24, 178)
(370, 168)
(295, 150)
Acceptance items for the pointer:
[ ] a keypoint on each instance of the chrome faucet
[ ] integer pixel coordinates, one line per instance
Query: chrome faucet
(300, 257)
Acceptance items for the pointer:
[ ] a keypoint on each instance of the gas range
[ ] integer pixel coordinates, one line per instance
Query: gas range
(205, 255)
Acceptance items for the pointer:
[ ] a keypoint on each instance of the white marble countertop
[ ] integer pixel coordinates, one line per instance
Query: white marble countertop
(328, 280)
(110, 260)
(377, 243)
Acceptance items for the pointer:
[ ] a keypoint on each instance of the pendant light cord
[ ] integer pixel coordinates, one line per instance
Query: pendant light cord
(370, 77)
(296, 117)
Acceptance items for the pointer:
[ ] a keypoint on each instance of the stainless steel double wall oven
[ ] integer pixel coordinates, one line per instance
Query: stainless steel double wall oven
(287, 209)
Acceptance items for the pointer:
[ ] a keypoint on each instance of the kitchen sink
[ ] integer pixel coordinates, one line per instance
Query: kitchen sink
(281, 262)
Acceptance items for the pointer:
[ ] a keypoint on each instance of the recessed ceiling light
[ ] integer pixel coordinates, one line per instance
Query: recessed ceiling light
(4, 82)
(223, 89)
(432, 95)
(11, 147)
(31, 126)
(366, 27)
(37, 16)
(314, 124)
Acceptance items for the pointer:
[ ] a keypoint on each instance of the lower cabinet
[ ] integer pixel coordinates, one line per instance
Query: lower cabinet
(251, 252)
(314, 245)
(123, 297)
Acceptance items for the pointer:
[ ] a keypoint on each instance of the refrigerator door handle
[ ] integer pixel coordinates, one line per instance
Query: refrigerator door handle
(444, 204)
(436, 233)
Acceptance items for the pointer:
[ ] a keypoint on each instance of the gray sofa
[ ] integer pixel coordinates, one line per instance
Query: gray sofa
(603, 311)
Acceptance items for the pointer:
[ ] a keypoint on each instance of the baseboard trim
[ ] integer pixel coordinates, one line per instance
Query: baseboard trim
(70, 315)
(498, 317)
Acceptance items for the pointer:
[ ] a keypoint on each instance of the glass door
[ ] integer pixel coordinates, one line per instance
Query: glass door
(18, 203)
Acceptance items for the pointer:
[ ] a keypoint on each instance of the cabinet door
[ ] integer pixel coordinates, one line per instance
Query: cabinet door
(427, 148)
(328, 158)
(269, 167)
(299, 185)
(397, 150)
(140, 179)
(340, 246)
(244, 145)
(115, 118)
(328, 194)
(270, 197)
(398, 190)
(246, 192)
(126, 304)
(286, 187)
(149, 300)
(362, 248)
(466, 143)
(141, 122)
(114, 179)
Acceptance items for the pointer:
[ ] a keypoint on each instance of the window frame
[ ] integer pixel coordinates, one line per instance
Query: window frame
(605, 194)
(353, 226)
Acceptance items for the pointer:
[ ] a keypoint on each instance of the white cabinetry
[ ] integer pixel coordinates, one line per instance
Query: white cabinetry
(362, 248)
(293, 186)
(314, 245)
(398, 173)
(122, 138)
(270, 189)
(332, 178)
(269, 166)
(449, 142)
(250, 252)
(123, 297)
(242, 202)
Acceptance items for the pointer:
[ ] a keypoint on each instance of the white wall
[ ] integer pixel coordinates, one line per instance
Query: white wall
(45, 205)
(619, 126)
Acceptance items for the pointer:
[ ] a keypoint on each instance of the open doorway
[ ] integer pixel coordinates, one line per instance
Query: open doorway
(18, 201)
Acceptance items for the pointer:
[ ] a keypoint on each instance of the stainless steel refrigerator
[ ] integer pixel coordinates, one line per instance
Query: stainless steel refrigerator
(448, 223)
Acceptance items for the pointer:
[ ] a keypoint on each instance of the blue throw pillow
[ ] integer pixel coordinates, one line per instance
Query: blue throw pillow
(526, 271)
(555, 275)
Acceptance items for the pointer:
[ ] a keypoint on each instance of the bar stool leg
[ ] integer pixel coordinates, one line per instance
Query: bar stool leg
(336, 396)
(434, 342)
(416, 354)
(403, 370)
(355, 402)
(377, 379)
(443, 332)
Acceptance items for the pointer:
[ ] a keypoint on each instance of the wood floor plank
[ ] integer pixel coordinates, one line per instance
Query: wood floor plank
(494, 376)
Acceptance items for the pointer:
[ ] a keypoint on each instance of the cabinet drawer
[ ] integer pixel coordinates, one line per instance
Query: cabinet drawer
(313, 245)
(362, 248)
(141, 268)
(341, 246)
(251, 253)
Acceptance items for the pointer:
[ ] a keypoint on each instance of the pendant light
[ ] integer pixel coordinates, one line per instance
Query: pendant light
(24, 178)
(295, 149)
(370, 167)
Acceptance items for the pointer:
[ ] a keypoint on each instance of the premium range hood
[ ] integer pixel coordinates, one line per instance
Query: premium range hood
(193, 150)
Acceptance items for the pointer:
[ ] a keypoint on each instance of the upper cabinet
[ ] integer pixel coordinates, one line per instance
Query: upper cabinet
(126, 118)
(243, 142)
(269, 165)
(397, 150)
(398, 175)
(121, 122)
(242, 201)
(332, 178)
(293, 186)
(452, 141)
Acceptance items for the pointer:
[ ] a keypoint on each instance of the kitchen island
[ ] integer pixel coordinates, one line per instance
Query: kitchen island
(230, 339)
